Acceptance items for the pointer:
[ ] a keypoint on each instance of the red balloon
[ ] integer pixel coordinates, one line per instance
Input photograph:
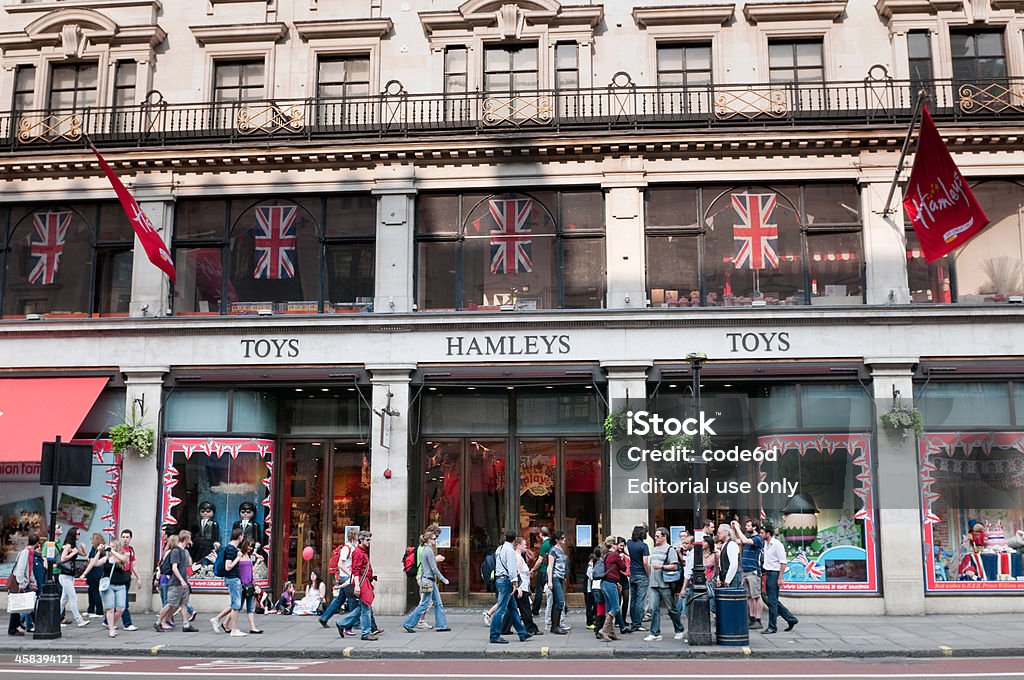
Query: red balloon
(307, 553)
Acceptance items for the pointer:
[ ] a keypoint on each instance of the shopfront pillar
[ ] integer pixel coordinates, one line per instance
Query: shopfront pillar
(627, 383)
(150, 285)
(625, 251)
(885, 248)
(899, 513)
(140, 480)
(396, 209)
(389, 485)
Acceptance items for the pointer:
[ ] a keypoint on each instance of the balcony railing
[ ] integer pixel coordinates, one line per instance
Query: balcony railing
(622, 105)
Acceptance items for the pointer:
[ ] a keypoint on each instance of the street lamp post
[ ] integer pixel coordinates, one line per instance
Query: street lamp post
(699, 610)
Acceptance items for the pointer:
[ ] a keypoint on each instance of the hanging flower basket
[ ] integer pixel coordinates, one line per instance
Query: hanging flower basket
(901, 419)
(615, 424)
(132, 437)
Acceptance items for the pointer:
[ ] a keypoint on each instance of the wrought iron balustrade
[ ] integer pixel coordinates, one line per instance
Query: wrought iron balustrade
(621, 105)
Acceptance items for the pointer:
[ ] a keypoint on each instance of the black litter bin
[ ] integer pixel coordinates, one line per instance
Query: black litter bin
(731, 624)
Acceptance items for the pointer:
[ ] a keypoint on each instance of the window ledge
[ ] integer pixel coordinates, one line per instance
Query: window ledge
(238, 33)
(16, 6)
(794, 10)
(677, 15)
(346, 28)
(889, 7)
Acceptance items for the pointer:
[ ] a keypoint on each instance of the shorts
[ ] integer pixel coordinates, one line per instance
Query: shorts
(235, 591)
(115, 597)
(752, 584)
(177, 595)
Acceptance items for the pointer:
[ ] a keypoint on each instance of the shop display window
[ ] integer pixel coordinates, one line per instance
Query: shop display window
(226, 476)
(25, 504)
(519, 251)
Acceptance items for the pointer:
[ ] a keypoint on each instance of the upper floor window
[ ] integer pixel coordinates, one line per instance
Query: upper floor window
(977, 55)
(567, 66)
(684, 65)
(73, 86)
(456, 70)
(341, 77)
(740, 246)
(511, 69)
(919, 56)
(238, 81)
(124, 96)
(285, 256)
(24, 88)
(796, 61)
(543, 250)
(65, 259)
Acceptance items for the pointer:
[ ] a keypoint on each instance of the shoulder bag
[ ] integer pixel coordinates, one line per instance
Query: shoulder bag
(104, 584)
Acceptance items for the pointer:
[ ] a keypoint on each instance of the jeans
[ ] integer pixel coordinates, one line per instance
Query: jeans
(115, 597)
(234, 592)
(504, 587)
(68, 596)
(557, 594)
(775, 608)
(547, 605)
(525, 613)
(335, 604)
(95, 602)
(440, 621)
(542, 579)
(610, 591)
(638, 587)
(361, 615)
(664, 594)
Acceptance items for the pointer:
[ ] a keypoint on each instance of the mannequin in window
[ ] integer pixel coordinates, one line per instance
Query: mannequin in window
(247, 523)
(205, 535)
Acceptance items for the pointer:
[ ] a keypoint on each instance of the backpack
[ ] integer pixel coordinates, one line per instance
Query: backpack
(332, 563)
(600, 570)
(165, 564)
(409, 565)
(218, 566)
(487, 572)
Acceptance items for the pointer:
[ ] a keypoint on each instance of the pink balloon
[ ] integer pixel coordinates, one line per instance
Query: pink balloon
(307, 553)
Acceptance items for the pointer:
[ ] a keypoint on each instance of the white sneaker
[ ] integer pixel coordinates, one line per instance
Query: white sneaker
(131, 627)
(84, 622)
(487, 618)
(652, 638)
(237, 633)
(564, 627)
(426, 626)
(216, 625)
(95, 616)
(679, 636)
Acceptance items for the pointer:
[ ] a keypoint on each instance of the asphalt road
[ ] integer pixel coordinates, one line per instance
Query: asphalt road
(495, 669)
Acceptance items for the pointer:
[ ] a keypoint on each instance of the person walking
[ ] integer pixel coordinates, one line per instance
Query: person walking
(245, 563)
(710, 568)
(341, 558)
(438, 559)
(363, 578)
(775, 566)
(178, 591)
(115, 597)
(234, 586)
(92, 577)
(664, 563)
(22, 580)
(686, 591)
(541, 567)
(126, 548)
(589, 602)
(521, 594)
(558, 564)
(506, 579)
(614, 566)
(70, 554)
(427, 577)
(639, 576)
(620, 616)
(750, 565)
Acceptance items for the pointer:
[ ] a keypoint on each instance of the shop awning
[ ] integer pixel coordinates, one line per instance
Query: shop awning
(35, 410)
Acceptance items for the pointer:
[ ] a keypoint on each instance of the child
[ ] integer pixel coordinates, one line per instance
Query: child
(286, 603)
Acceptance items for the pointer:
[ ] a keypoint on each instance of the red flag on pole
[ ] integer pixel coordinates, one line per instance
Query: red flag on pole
(148, 236)
(943, 210)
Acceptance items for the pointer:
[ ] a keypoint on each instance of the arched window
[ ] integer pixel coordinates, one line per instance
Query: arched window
(66, 260)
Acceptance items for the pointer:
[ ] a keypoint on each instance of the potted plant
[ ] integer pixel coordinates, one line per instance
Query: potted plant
(133, 437)
(899, 419)
(615, 424)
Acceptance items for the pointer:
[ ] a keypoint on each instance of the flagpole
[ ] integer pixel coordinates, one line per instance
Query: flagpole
(918, 107)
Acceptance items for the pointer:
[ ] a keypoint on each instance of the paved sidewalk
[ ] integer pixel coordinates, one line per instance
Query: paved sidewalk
(298, 637)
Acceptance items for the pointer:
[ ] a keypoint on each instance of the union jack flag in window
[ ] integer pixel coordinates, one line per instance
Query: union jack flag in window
(275, 242)
(51, 228)
(511, 237)
(756, 237)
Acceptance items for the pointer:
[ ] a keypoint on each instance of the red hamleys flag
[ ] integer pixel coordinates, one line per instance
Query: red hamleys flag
(51, 230)
(942, 209)
(148, 236)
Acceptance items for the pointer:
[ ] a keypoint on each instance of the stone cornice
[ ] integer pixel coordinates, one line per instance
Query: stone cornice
(678, 15)
(238, 33)
(887, 8)
(344, 28)
(795, 10)
(40, 7)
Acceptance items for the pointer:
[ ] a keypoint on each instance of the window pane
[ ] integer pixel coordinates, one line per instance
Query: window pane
(511, 271)
(358, 69)
(437, 214)
(988, 268)
(780, 54)
(63, 77)
(566, 80)
(582, 211)
(200, 219)
(775, 408)
(835, 268)
(1018, 404)
(943, 404)
(455, 60)
(670, 57)
(673, 278)
(436, 263)
(583, 269)
(464, 413)
(498, 82)
(325, 413)
(196, 411)
(538, 413)
(350, 269)
(831, 204)
(670, 79)
(351, 215)
(808, 54)
(114, 281)
(525, 59)
(254, 412)
(565, 56)
(125, 74)
(25, 78)
(992, 68)
(928, 282)
(226, 75)
(835, 407)
(961, 44)
(114, 225)
(990, 43)
(919, 45)
(698, 58)
(331, 71)
(524, 82)
(497, 59)
(670, 207)
(200, 276)
(455, 84)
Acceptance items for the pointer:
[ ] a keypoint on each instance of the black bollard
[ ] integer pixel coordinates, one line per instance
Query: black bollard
(698, 616)
(47, 616)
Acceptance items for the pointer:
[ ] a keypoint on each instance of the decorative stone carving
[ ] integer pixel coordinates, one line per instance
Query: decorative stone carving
(510, 21)
(72, 40)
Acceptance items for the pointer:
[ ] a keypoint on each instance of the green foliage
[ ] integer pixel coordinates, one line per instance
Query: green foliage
(615, 425)
(900, 419)
(133, 436)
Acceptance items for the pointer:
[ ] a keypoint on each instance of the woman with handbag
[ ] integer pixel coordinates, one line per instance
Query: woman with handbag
(21, 582)
(68, 563)
(427, 576)
(92, 579)
(248, 585)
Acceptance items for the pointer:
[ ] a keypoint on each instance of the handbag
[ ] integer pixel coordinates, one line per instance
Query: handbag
(104, 584)
(426, 586)
(671, 576)
(248, 590)
(21, 603)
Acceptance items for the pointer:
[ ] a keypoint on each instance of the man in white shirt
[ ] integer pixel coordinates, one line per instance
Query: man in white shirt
(729, 559)
(774, 568)
(506, 579)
